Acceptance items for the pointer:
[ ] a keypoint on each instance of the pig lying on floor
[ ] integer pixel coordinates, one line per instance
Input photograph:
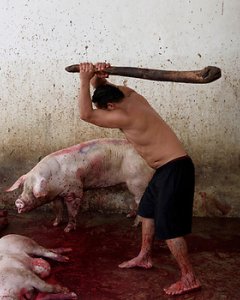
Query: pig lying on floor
(66, 173)
(20, 274)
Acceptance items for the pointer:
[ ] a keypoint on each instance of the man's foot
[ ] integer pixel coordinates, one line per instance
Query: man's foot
(187, 284)
(139, 261)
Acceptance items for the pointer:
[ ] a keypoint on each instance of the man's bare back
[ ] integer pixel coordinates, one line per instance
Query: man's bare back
(149, 134)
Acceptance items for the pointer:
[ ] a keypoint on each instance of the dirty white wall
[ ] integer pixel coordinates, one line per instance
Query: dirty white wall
(38, 98)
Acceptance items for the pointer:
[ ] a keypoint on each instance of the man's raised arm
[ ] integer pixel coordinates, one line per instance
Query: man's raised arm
(87, 72)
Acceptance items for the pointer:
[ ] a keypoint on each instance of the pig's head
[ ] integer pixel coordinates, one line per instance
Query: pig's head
(34, 192)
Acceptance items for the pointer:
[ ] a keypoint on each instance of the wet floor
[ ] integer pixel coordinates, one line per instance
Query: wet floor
(101, 242)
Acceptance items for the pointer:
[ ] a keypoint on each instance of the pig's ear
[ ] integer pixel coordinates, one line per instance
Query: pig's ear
(40, 188)
(17, 184)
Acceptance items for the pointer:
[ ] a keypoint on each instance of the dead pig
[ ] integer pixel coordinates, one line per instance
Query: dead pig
(20, 274)
(66, 173)
(14, 243)
(20, 277)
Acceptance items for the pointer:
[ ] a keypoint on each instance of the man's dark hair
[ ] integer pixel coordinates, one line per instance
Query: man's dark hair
(105, 94)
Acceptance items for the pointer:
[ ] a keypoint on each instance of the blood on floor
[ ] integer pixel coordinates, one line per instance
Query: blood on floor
(102, 241)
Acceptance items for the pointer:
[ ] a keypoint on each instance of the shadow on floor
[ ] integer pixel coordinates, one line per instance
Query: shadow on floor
(103, 241)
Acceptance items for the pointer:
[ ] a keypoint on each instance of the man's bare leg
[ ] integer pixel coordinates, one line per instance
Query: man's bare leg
(188, 281)
(143, 259)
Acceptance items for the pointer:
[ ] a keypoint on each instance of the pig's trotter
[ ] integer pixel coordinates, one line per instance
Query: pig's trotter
(61, 258)
(137, 221)
(132, 214)
(60, 289)
(58, 210)
(55, 255)
(61, 250)
(56, 222)
(72, 202)
(66, 296)
(70, 226)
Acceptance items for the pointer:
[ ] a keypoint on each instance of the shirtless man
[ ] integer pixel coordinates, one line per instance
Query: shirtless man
(166, 206)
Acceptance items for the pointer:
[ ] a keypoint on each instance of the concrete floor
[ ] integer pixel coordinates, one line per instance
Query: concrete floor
(103, 241)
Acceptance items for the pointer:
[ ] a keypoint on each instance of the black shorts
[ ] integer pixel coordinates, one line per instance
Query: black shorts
(168, 198)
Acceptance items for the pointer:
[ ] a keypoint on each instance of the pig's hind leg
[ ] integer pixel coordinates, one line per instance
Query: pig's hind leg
(21, 284)
(63, 296)
(21, 243)
(54, 254)
(136, 188)
(137, 194)
(73, 201)
(44, 287)
(57, 206)
(57, 292)
(29, 246)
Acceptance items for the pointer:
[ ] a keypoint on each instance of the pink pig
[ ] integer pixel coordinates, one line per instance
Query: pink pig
(66, 173)
(20, 273)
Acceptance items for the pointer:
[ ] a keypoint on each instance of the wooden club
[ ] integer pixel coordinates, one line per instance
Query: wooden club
(205, 75)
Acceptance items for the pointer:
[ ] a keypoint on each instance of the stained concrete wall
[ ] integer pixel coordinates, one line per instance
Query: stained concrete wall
(38, 99)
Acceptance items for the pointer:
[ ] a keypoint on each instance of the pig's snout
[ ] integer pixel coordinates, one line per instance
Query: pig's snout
(20, 205)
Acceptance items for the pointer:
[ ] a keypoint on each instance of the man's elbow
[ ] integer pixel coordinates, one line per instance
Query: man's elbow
(85, 117)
